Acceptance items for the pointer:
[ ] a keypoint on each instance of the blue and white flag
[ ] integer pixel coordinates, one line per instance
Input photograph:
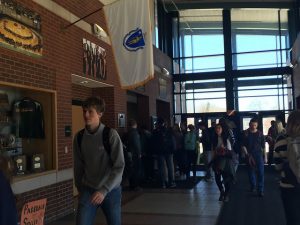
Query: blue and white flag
(129, 28)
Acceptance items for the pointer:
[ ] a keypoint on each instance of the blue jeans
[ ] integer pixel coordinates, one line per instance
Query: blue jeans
(111, 207)
(259, 170)
(207, 159)
(166, 179)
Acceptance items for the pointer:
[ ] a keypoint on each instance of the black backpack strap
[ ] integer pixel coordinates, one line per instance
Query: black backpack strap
(105, 139)
(79, 139)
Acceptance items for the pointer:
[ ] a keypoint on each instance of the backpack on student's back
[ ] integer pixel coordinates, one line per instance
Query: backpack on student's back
(105, 138)
(293, 155)
(190, 139)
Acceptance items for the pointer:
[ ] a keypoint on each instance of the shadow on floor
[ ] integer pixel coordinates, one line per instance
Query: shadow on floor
(246, 208)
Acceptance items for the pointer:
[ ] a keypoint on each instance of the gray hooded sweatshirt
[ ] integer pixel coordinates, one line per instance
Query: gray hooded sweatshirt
(93, 167)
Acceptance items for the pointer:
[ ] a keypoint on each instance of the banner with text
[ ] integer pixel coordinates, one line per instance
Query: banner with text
(34, 212)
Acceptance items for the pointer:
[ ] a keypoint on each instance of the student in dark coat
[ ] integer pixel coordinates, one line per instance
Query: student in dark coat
(164, 145)
(8, 210)
(134, 146)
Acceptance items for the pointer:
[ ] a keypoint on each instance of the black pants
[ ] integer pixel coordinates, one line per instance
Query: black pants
(224, 186)
(191, 157)
(135, 176)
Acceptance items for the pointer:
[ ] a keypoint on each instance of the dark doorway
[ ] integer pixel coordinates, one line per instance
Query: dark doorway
(138, 109)
(163, 110)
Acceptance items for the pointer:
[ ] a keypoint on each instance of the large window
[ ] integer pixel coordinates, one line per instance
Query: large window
(200, 41)
(263, 93)
(201, 96)
(259, 38)
(257, 43)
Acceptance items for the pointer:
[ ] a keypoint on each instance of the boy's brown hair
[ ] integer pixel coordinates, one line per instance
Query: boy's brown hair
(95, 102)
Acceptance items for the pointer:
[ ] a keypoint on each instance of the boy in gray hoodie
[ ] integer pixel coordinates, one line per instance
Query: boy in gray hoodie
(97, 172)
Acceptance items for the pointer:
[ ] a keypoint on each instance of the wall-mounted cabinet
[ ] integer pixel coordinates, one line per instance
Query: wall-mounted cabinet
(28, 127)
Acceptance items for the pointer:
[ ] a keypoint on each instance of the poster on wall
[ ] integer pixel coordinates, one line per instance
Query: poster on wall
(20, 29)
(34, 212)
(94, 60)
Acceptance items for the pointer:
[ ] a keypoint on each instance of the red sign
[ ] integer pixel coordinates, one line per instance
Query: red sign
(33, 212)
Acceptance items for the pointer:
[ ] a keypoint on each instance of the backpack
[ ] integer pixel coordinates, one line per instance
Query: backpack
(293, 155)
(168, 142)
(105, 138)
(190, 141)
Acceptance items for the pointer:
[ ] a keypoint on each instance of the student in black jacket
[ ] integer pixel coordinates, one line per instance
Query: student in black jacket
(8, 210)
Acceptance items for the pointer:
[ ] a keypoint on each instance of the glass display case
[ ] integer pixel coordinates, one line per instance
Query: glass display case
(28, 128)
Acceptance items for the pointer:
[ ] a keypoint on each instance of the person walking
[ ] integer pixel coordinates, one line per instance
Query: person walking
(271, 138)
(97, 172)
(164, 145)
(222, 162)
(289, 185)
(253, 146)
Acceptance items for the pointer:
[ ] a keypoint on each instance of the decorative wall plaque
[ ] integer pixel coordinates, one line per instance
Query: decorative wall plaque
(20, 28)
(94, 60)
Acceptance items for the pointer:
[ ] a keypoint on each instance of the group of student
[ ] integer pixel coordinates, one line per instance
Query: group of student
(156, 155)
(98, 171)
(284, 152)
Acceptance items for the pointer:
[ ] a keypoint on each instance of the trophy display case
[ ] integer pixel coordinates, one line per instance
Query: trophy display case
(28, 128)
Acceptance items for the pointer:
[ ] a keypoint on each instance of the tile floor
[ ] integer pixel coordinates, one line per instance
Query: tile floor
(199, 205)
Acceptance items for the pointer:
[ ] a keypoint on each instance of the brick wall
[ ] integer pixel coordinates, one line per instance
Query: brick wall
(59, 203)
(80, 93)
(62, 56)
(15, 70)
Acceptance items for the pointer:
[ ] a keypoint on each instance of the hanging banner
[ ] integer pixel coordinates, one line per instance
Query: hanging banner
(130, 32)
(34, 212)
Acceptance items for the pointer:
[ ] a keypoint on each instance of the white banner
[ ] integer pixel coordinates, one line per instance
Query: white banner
(129, 27)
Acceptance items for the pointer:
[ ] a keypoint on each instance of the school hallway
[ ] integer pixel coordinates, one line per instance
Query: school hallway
(199, 205)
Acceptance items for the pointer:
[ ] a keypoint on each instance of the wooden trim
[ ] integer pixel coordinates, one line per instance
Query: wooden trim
(50, 98)
(27, 87)
(31, 175)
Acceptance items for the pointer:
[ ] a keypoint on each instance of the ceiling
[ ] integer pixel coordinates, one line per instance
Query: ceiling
(223, 1)
(105, 2)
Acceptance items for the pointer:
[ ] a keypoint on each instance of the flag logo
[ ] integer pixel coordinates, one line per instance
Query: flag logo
(134, 40)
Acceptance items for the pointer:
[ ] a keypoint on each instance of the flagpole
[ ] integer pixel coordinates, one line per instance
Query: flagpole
(71, 24)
